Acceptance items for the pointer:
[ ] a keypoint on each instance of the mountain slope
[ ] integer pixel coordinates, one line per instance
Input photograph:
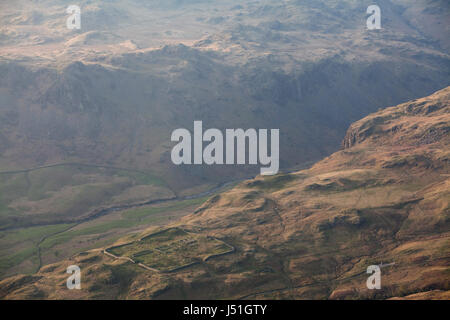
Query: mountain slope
(110, 94)
(383, 199)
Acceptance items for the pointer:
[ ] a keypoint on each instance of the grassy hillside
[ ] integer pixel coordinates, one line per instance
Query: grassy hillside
(71, 192)
(86, 115)
(383, 199)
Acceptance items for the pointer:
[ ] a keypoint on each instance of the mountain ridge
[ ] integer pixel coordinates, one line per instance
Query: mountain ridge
(382, 199)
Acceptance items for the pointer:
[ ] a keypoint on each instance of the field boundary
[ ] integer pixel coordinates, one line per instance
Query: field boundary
(232, 249)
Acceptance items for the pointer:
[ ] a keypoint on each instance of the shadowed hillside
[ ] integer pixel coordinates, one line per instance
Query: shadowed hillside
(382, 199)
(112, 92)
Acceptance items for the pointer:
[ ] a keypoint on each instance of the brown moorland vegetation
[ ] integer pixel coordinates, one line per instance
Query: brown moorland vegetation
(383, 199)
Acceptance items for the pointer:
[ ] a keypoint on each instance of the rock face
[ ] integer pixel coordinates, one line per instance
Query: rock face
(350, 139)
(383, 200)
(383, 123)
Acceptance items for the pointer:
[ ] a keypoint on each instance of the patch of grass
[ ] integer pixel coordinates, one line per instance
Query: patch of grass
(8, 262)
(17, 246)
(130, 218)
(89, 196)
(34, 234)
(272, 183)
(140, 213)
(26, 238)
(46, 180)
(67, 190)
(12, 186)
(120, 277)
(166, 235)
(5, 213)
(142, 178)
(170, 249)
(97, 229)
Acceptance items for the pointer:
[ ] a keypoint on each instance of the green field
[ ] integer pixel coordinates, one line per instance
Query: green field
(53, 199)
(20, 245)
(127, 219)
(171, 249)
(65, 192)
